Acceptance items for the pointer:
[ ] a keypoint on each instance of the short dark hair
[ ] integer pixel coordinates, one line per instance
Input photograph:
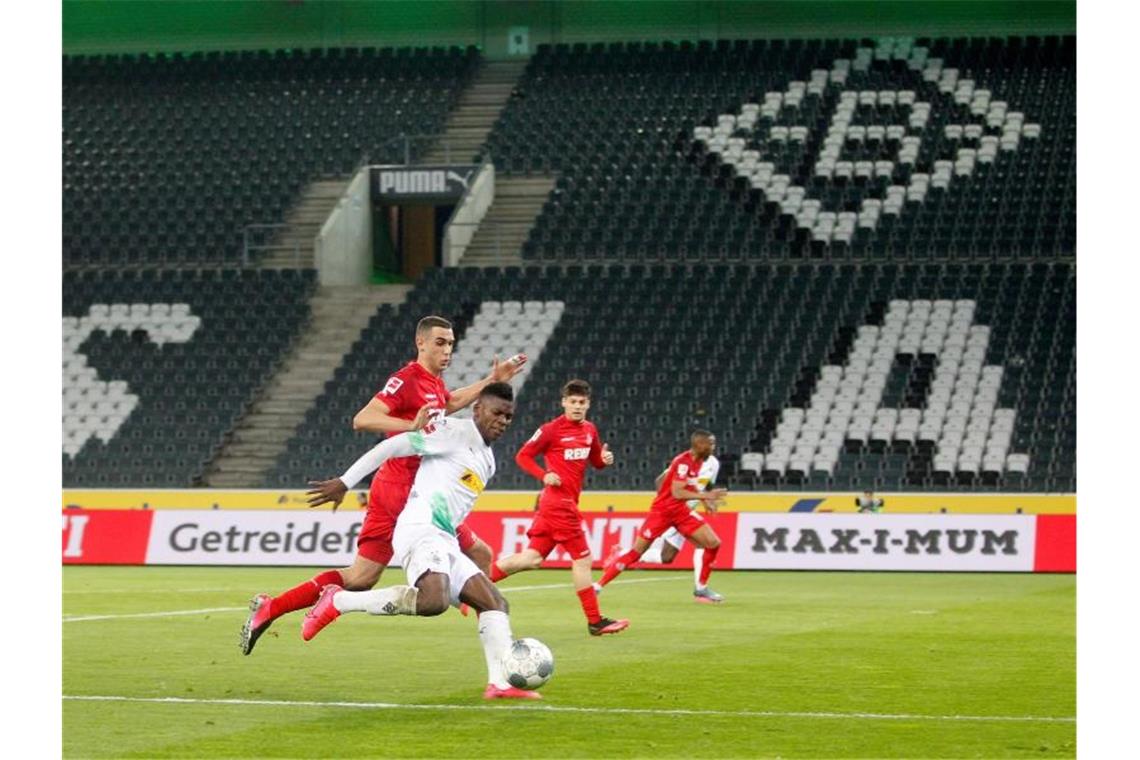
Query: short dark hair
(700, 433)
(576, 388)
(424, 326)
(499, 390)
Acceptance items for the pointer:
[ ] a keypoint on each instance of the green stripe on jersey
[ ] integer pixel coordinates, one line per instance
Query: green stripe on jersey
(418, 444)
(440, 517)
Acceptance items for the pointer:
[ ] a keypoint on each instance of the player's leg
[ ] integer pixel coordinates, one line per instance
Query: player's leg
(671, 544)
(541, 544)
(476, 590)
(655, 551)
(529, 558)
(707, 540)
(374, 551)
(625, 561)
(475, 548)
(573, 541)
(426, 560)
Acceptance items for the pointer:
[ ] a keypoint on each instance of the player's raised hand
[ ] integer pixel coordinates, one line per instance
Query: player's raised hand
(326, 492)
(421, 419)
(502, 372)
(607, 455)
(552, 479)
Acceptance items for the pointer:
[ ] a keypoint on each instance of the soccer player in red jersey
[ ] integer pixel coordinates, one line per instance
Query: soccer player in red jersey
(409, 401)
(669, 509)
(567, 443)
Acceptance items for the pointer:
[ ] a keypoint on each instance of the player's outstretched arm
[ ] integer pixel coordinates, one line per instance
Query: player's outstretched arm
(501, 372)
(376, 418)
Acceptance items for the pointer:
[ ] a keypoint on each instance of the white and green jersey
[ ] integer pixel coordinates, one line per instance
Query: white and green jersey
(705, 478)
(455, 466)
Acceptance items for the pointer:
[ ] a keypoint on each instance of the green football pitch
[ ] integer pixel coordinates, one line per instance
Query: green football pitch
(791, 665)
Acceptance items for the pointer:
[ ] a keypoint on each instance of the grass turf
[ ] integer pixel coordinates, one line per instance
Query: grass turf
(922, 648)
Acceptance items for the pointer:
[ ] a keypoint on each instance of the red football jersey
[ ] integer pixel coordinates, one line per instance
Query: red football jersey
(404, 393)
(685, 468)
(566, 446)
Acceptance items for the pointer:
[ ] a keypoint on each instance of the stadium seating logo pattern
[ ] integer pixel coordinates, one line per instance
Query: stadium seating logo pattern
(98, 408)
(828, 225)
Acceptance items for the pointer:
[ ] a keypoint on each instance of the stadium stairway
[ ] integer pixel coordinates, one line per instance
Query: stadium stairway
(469, 124)
(293, 246)
(507, 225)
(339, 315)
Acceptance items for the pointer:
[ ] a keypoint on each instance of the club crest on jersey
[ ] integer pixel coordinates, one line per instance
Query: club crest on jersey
(682, 470)
(392, 385)
(472, 482)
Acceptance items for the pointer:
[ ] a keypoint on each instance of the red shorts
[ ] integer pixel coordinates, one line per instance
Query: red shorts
(686, 521)
(386, 501)
(558, 522)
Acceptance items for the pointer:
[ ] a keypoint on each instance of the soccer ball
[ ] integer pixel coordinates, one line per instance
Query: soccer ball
(528, 664)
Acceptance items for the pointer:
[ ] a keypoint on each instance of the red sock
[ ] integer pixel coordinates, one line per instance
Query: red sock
(497, 573)
(619, 564)
(589, 601)
(304, 595)
(706, 564)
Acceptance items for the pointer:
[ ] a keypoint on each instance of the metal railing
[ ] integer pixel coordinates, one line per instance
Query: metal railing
(407, 141)
(251, 236)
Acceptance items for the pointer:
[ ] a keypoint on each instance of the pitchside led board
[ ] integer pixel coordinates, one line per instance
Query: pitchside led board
(411, 206)
(978, 533)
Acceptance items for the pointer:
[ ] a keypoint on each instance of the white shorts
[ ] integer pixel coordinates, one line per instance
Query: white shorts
(426, 548)
(674, 538)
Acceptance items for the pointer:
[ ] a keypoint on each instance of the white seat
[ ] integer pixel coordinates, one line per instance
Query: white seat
(752, 461)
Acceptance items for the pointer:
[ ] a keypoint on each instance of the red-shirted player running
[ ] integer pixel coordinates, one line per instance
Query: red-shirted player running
(566, 443)
(410, 399)
(669, 510)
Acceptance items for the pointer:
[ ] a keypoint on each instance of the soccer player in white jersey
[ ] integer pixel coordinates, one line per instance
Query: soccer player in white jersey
(664, 550)
(457, 462)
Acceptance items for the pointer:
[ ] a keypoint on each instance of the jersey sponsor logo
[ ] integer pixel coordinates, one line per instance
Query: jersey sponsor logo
(472, 482)
(394, 384)
(571, 455)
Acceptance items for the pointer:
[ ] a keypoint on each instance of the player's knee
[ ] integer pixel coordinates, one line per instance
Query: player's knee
(360, 579)
(500, 601)
(429, 605)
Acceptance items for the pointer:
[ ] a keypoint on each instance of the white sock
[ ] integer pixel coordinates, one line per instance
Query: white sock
(653, 553)
(597, 587)
(393, 600)
(495, 633)
(698, 556)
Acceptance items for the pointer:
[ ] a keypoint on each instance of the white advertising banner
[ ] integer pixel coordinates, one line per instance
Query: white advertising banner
(253, 537)
(971, 543)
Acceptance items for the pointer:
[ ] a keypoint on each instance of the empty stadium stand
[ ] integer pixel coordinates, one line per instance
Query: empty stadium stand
(159, 365)
(167, 157)
(891, 149)
(853, 260)
(981, 356)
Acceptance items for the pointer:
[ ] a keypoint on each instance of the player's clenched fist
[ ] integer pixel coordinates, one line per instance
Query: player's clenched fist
(552, 479)
(607, 455)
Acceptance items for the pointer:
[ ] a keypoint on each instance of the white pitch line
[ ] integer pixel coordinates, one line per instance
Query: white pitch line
(176, 613)
(172, 613)
(590, 710)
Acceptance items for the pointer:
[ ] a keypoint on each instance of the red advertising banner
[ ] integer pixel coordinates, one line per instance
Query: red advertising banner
(505, 533)
(939, 543)
(105, 538)
(1056, 544)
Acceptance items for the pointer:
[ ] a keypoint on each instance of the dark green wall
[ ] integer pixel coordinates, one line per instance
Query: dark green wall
(91, 26)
